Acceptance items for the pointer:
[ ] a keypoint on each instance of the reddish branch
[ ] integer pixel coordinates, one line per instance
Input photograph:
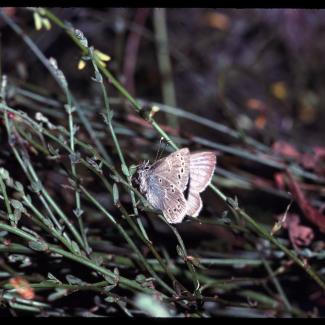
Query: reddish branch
(132, 47)
(310, 212)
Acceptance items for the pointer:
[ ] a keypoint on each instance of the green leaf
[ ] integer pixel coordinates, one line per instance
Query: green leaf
(73, 279)
(60, 292)
(4, 173)
(51, 277)
(39, 246)
(19, 187)
(140, 278)
(75, 247)
(115, 194)
(151, 306)
(180, 251)
(125, 170)
(17, 205)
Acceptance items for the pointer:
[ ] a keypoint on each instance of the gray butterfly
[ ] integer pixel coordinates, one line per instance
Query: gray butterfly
(164, 182)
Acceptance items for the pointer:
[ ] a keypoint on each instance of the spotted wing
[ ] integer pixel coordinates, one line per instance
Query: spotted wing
(175, 168)
(165, 196)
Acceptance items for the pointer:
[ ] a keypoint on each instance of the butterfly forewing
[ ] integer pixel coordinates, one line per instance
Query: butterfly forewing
(165, 196)
(175, 168)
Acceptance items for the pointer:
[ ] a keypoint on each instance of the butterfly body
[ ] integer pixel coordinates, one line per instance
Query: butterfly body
(164, 182)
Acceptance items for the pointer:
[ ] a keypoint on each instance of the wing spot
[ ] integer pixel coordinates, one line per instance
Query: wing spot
(160, 181)
(179, 176)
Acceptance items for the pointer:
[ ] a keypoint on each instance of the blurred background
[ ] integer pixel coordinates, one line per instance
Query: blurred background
(259, 70)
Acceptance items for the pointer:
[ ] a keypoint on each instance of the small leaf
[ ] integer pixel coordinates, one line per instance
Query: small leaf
(48, 223)
(3, 233)
(78, 212)
(132, 169)
(75, 247)
(14, 218)
(73, 279)
(109, 288)
(151, 306)
(98, 77)
(17, 214)
(4, 173)
(110, 299)
(46, 23)
(80, 35)
(115, 194)
(180, 251)
(19, 187)
(17, 205)
(39, 246)
(60, 292)
(125, 170)
(233, 202)
(51, 277)
(140, 278)
(36, 187)
(116, 271)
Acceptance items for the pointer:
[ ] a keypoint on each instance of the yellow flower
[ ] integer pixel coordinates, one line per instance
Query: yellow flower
(37, 21)
(46, 23)
(101, 57)
(40, 21)
(279, 90)
(81, 64)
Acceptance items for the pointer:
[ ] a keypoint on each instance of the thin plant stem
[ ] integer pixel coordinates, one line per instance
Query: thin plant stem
(164, 63)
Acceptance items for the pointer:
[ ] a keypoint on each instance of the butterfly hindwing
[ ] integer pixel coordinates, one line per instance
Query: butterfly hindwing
(165, 196)
(202, 166)
(193, 204)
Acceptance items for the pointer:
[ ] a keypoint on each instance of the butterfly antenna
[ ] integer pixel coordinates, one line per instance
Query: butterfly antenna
(166, 143)
(158, 155)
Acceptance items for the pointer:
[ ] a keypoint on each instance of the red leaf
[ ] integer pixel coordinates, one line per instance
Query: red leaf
(286, 149)
(279, 180)
(299, 235)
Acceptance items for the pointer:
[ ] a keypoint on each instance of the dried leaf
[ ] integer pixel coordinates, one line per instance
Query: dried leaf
(23, 287)
(299, 235)
(310, 212)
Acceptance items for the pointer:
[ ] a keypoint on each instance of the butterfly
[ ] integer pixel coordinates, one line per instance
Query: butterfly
(173, 184)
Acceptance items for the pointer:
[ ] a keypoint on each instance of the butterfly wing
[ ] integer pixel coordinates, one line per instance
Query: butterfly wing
(165, 196)
(174, 168)
(194, 204)
(202, 166)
